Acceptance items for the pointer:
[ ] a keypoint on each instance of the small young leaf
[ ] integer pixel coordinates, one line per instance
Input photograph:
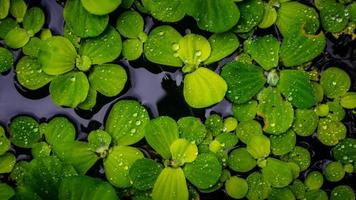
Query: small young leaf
(126, 122)
(17, 38)
(348, 101)
(222, 45)
(69, 89)
(204, 172)
(160, 134)
(130, 24)
(300, 156)
(221, 19)
(183, 152)
(264, 50)
(99, 140)
(277, 173)
(57, 56)
(34, 20)
(4, 9)
(132, 49)
(246, 129)
(240, 160)
(334, 171)
(170, 184)
(335, 82)
(296, 88)
(18, 9)
(100, 8)
(336, 111)
(277, 114)
(236, 187)
(314, 180)
(6, 60)
(144, 173)
(118, 163)
(58, 130)
(269, 16)
(203, 88)
(244, 81)
(103, 48)
(259, 188)
(108, 79)
(81, 22)
(78, 154)
(251, 15)
(259, 146)
(245, 112)
(24, 131)
(162, 45)
(85, 187)
(192, 129)
(305, 123)
(300, 48)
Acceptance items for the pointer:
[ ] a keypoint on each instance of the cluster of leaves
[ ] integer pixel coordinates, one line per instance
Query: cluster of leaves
(253, 155)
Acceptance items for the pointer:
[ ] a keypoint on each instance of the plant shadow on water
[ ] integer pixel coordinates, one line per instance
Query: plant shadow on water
(161, 92)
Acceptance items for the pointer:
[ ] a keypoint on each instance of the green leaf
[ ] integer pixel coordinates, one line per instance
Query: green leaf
(342, 192)
(264, 50)
(305, 123)
(6, 192)
(162, 45)
(203, 88)
(334, 171)
(4, 9)
(193, 49)
(130, 24)
(69, 89)
(18, 9)
(192, 129)
(99, 141)
(78, 154)
(335, 82)
(41, 149)
(314, 180)
(166, 10)
(277, 114)
(300, 48)
(245, 112)
(277, 173)
(222, 45)
(300, 156)
(333, 16)
(17, 38)
(259, 146)
(24, 131)
(298, 188)
(18, 172)
(57, 56)
(33, 47)
(336, 111)
(118, 163)
(252, 12)
(81, 22)
(6, 25)
(227, 140)
(5, 143)
(318, 92)
(34, 20)
(103, 48)
(204, 172)
(132, 49)
(126, 122)
(236, 187)
(58, 130)
(100, 8)
(240, 160)
(269, 16)
(330, 132)
(183, 152)
(296, 88)
(284, 143)
(348, 101)
(43, 175)
(246, 129)
(294, 16)
(7, 162)
(214, 124)
(281, 193)
(29, 73)
(85, 187)
(6, 60)
(259, 188)
(144, 173)
(170, 184)
(90, 101)
(244, 81)
(345, 151)
(222, 18)
(108, 79)
(160, 134)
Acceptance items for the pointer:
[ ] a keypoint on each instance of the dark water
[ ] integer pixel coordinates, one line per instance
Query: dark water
(159, 88)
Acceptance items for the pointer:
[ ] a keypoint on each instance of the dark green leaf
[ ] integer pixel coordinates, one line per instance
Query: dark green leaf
(144, 173)
(24, 131)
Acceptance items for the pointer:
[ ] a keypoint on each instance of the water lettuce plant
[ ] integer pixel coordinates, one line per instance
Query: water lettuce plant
(261, 57)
